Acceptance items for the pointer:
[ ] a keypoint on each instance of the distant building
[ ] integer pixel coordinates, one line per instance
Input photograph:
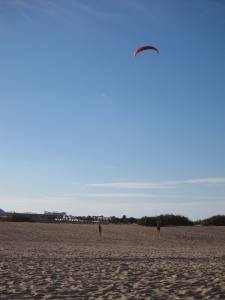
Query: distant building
(55, 215)
(52, 217)
(34, 217)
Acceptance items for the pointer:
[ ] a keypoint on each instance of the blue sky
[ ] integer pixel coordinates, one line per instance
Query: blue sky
(87, 128)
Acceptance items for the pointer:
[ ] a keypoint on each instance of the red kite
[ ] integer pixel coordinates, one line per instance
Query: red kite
(145, 48)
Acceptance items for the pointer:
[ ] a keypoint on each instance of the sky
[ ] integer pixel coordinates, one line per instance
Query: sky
(88, 129)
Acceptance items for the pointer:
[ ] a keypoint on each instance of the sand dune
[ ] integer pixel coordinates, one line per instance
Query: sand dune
(65, 261)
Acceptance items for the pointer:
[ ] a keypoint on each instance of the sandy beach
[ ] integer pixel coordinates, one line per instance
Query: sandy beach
(66, 261)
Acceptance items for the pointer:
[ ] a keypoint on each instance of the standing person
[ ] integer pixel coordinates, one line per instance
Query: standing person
(100, 229)
(158, 225)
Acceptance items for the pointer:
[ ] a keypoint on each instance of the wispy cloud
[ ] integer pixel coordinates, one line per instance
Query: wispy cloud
(71, 8)
(25, 9)
(94, 11)
(131, 185)
(50, 9)
(160, 185)
(207, 181)
(20, 6)
(53, 8)
(105, 98)
(111, 195)
(114, 11)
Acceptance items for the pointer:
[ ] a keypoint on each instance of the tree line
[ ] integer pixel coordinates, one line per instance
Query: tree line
(165, 220)
(178, 220)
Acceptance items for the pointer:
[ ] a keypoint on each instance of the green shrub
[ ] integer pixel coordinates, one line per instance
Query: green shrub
(218, 220)
(166, 220)
(18, 218)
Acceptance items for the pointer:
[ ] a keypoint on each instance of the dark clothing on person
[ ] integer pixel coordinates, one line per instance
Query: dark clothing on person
(158, 225)
(100, 229)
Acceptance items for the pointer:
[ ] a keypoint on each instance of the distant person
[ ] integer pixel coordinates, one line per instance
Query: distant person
(158, 225)
(100, 229)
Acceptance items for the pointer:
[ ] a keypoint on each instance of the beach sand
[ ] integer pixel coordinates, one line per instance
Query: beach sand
(71, 261)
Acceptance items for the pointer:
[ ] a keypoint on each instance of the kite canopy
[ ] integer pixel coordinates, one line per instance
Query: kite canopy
(145, 48)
